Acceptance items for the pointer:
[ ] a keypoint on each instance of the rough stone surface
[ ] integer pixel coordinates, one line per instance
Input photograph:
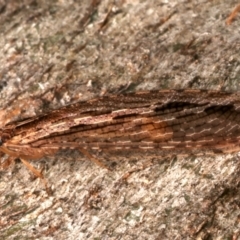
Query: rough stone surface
(57, 52)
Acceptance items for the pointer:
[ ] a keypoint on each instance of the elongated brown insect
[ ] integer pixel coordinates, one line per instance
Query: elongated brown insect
(168, 121)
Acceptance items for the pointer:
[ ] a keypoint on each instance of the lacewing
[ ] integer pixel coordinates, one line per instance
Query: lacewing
(167, 121)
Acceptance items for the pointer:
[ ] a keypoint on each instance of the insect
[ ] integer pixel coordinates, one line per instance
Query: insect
(167, 121)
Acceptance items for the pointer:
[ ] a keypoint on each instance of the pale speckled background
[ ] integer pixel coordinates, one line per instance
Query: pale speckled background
(58, 52)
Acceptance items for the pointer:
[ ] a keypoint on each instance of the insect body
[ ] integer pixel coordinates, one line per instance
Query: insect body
(169, 121)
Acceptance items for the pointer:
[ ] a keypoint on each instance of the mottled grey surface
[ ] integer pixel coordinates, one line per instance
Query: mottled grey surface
(57, 52)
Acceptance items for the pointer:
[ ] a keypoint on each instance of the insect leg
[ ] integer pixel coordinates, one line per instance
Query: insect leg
(92, 158)
(37, 174)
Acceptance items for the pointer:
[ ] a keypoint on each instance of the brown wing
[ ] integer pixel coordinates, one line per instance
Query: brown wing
(172, 128)
(170, 121)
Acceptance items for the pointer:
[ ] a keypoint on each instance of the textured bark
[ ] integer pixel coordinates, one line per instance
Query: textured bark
(57, 52)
